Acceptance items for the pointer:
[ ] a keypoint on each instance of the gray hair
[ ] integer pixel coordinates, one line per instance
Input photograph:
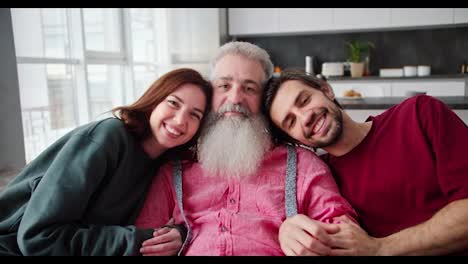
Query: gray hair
(248, 50)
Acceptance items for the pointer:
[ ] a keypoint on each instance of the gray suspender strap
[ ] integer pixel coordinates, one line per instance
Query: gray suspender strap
(290, 190)
(177, 174)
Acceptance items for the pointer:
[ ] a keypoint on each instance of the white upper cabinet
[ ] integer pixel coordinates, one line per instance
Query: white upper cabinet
(403, 17)
(244, 21)
(461, 15)
(257, 21)
(305, 19)
(361, 18)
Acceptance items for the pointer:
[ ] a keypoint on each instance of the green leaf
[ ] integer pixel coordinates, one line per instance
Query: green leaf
(356, 50)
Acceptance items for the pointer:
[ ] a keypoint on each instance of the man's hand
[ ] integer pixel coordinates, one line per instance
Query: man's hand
(301, 236)
(166, 241)
(352, 240)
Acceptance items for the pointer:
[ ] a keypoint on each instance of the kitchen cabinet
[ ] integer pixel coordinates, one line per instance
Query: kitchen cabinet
(361, 115)
(399, 87)
(271, 21)
(433, 88)
(366, 89)
(361, 18)
(244, 21)
(305, 19)
(461, 15)
(408, 17)
(463, 114)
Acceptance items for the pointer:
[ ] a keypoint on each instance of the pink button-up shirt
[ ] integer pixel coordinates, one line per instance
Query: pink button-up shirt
(242, 217)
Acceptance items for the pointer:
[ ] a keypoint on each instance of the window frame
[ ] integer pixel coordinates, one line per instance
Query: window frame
(79, 58)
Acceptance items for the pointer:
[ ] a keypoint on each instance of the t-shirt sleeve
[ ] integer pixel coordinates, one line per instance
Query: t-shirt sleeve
(448, 136)
(318, 191)
(53, 220)
(159, 204)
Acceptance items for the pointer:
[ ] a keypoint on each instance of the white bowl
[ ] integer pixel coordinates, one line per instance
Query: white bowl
(424, 70)
(409, 71)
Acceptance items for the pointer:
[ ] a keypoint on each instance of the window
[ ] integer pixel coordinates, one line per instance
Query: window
(102, 30)
(75, 65)
(105, 88)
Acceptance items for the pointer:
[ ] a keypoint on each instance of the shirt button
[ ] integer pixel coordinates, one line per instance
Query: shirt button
(224, 229)
(232, 200)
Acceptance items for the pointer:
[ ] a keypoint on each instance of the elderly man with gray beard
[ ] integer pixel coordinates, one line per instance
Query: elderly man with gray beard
(234, 199)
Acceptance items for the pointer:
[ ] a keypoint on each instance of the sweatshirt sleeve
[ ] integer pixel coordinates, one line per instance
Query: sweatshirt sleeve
(52, 222)
(318, 191)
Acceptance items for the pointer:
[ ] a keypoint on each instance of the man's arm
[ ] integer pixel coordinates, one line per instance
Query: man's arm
(447, 230)
(445, 233)
(320, 203)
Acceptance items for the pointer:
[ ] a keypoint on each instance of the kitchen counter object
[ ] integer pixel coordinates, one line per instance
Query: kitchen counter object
(454, 102)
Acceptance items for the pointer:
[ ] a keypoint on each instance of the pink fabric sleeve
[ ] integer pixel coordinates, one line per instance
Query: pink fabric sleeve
(318, 190)
(159, 204)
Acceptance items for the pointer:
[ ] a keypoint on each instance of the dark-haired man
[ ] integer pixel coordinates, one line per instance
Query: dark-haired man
(405, 171)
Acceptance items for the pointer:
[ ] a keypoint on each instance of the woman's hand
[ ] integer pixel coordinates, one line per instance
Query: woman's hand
(166, 241)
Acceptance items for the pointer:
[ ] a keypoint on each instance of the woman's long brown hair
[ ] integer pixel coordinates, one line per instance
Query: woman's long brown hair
(136, 116)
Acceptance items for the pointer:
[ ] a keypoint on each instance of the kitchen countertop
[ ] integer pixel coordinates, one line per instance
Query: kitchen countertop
(454, 102)
(415, 78)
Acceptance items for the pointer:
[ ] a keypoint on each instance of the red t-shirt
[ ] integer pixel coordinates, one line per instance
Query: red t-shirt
(412, 163)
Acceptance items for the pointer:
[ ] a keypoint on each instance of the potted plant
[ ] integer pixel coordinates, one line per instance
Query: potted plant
(356, 50)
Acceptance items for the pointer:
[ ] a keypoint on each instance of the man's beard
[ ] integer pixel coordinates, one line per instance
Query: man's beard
(233, 146)
(336, 131)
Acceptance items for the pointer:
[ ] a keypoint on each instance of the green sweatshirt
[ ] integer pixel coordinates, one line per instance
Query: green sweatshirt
(80, 196)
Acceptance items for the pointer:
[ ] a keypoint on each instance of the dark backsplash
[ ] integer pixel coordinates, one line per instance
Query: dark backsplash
(444, 49)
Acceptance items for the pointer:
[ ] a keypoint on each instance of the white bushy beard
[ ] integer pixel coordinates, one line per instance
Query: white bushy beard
(233, 146)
